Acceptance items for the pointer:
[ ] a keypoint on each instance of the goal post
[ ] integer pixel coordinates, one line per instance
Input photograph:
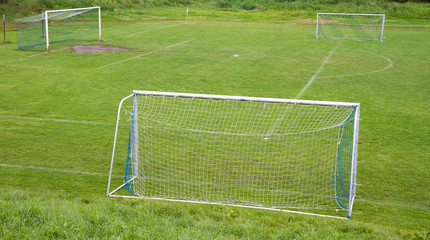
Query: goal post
(266, 153)
(57, 26)
(350, 26)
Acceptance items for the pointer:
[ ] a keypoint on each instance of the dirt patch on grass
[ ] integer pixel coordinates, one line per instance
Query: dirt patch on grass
(97, 48)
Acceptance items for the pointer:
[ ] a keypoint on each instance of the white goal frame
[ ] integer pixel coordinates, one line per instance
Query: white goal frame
(353, 160)
(46, 15)
(317, 34)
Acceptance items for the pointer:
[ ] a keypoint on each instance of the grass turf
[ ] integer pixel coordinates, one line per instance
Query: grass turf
(46, 188)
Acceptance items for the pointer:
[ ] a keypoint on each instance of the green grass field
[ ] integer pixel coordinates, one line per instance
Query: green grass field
(58, 109)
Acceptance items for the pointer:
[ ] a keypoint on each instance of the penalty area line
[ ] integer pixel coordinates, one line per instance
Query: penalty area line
(144, 54)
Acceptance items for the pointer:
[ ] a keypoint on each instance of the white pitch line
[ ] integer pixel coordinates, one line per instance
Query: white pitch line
(25, 66)
(133, 34)
(52, 169)
(390, 64)
(319, 70)
(394, 204)
(144, 54)
(56, 120)
(281, 117)
(14, 60)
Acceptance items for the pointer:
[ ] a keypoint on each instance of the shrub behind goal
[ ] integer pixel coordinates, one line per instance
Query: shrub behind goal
(266, 153)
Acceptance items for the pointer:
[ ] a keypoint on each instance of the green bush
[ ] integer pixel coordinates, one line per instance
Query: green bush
(415, 9)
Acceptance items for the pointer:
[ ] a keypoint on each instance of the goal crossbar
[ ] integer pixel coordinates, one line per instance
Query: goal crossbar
(72, 9)
(353, 14)
(349, 178)
(248, 99)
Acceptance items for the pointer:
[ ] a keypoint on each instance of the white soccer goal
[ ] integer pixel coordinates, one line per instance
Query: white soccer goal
(266, 153)
(57, 26)
(351, 26)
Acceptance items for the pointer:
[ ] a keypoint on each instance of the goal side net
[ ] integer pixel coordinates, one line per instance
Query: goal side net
(350, 26)
(267, 153)
(58, 27)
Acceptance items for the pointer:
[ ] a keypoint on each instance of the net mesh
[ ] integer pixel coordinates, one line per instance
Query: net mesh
(77, 25)
(257, 154)
(350, 27)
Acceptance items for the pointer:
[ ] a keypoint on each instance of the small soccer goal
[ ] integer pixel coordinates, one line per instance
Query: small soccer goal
(265, 153)
(58, 26)
(350, 26)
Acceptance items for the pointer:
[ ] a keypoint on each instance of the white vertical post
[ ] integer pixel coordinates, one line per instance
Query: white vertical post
(114, 141)
(353, 181)
(318, 19)
(382, 31)
(136, 136)
(100, 25)
(46, 30)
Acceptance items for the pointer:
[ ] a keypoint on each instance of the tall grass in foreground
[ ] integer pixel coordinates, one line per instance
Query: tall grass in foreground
(54, 215)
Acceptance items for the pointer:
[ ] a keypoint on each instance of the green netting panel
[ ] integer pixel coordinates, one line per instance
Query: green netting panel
(69, 27)
(129, 165)
(31, 33)
(342, 169)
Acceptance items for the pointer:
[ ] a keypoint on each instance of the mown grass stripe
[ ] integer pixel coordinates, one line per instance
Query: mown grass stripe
(52, 169)
(144, 54)
(56, 120)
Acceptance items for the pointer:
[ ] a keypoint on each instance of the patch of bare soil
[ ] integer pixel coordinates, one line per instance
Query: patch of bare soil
(314, 20)
(97, 48)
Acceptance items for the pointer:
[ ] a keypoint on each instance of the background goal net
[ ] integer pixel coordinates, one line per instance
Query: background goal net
(350, 26)
(59, 27)
(252, 152)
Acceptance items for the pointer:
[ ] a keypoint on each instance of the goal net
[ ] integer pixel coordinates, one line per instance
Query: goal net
(59, 27)
(350, 26)
(264, 153)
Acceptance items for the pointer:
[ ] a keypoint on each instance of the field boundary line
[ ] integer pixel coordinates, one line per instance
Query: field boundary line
(150, 30)
(56, 120)
(52, 169)
(319, 70)
(144, 54)
(390, 64)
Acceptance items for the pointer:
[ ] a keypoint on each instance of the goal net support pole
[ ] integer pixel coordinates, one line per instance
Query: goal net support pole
(4, 28)
(224, 150)
(6, 18)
